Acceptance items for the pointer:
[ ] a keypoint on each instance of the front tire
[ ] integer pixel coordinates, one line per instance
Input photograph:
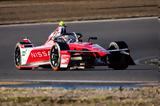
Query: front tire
(55, 56)
(17, 58)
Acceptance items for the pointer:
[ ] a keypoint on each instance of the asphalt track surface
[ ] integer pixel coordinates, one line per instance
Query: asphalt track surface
(140, 34)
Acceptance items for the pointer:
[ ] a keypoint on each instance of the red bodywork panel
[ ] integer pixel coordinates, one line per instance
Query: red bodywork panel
(39, 55)
(88, 47)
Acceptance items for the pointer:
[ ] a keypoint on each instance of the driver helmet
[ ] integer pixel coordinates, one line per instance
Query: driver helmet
(61, 23)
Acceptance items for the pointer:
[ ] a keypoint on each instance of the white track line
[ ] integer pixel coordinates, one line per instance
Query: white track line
(88, 21)
(85, 81)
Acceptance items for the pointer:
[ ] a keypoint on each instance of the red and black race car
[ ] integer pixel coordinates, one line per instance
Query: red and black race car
(69, 52)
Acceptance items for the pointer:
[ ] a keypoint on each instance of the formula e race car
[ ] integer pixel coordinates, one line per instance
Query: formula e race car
(69, 52)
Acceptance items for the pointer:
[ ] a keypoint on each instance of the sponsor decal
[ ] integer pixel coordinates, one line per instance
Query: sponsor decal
(65, 58)
(39, 54)
(24, 52)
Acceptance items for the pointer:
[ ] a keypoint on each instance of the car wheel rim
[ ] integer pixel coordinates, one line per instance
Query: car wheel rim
(55, 56)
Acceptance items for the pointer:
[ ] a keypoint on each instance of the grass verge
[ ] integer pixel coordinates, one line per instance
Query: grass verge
(18, 11)
(145, 96)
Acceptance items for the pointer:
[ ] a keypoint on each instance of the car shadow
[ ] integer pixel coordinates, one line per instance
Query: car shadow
(99, 68)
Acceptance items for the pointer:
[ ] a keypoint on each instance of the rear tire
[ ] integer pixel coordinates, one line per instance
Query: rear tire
(117, 45)
(117, 60)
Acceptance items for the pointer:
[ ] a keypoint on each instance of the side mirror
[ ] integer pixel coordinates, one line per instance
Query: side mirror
(92, 38)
